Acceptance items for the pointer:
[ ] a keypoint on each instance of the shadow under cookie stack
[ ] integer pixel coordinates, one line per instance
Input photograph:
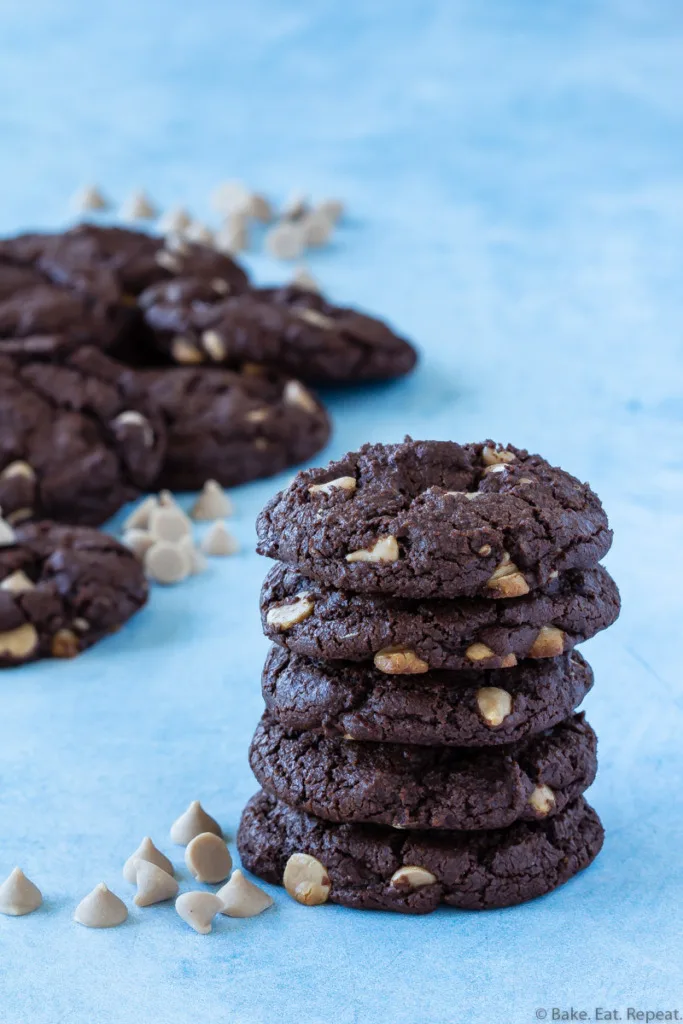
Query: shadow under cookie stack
(421, 743)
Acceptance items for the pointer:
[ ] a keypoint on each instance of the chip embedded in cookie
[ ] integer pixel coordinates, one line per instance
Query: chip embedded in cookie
(62, 589)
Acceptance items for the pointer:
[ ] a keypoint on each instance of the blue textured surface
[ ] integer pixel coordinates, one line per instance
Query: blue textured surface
(513, 172)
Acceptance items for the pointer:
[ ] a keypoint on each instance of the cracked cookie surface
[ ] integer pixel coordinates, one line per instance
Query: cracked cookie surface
(472, 870)
(425, 787)
(435, 518)
(435, 709)
(230, 426)
(340, 625)
(295, 331)
(78, 439)
(63, 588)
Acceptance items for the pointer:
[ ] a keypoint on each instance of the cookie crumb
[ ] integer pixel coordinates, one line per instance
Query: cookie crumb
(212, 503)
(19, 895)
(149, 852)
(101, 908)
(89, 198)
(138, 206)
(208, 858)
(219, 542)
(241, 898)
(192, 823)
(154, 884)
(198, 909)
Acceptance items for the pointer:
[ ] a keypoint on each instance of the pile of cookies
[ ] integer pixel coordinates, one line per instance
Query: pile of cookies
(131, 363)
(421, 743)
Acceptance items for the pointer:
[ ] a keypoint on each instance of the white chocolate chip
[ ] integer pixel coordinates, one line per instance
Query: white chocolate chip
(259, 208)
(317, 229)
(494, 704)
(333, 209)
(138, 206)
(212, 503)
(192, 823)
(133, 418)
(230, 196)
(139, 517)
(342, 483)
(548, 644)
(89, 198)
(295, 206)
(167, 260)
(183, 351)
(506, 579)
(18, 515)
(198, 233)
(175, 221)
(196, 559)
(296, 394)
(154, 884)
(7, 535)
(64, 644)
(20, 642)
(542, 799)
(257, 415)
(498, 467)
(484, 550)
(17, 583)
(234, 235)
(198, 909)
(284, 616)
(170, 524)
(214, 345)
(385, 549)
(18, 895)
(166, 562)
(306, 880)
(493, 457)
(241, 898)
(18, 468)
(315, 318)
(400, 661)
(208, 858)
(305, 281)
(146, 851)
(138, 541)
(219, 542)
(220, 286)
(101, 908)
(285, 242)
(412, 876)
(82, 625)
(479, 652)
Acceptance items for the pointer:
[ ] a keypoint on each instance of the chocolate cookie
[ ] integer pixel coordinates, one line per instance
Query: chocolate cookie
(466, 709)
(77, 440)
(63, 588)
(232, 427)
(293, 330)
(373, 868)
(425, 787)
(82, 285)
(436, 519)
(407, 637)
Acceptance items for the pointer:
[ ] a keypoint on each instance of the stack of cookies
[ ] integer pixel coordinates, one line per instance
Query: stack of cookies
(421, 743)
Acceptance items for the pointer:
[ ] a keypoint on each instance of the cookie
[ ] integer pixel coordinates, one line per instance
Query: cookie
(466, 709)
(232, 427)
(425, 787)
(77, 440)
(404, 636)
(436, 519)
(63, 588)
(42, 319)
(471, 870)
(295, 331)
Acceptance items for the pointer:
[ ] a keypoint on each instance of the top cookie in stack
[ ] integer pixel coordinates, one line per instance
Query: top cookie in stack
(424, 613)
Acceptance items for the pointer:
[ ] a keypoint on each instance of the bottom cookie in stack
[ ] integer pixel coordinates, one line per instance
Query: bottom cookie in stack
(378, 868)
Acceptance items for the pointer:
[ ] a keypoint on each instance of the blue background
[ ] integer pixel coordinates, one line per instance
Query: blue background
(513, 175)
